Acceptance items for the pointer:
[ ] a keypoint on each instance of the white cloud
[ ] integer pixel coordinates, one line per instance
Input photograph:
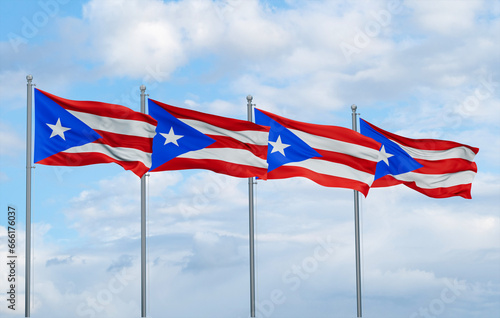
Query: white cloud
(114, 204)
(13, 85)
(140, 36)
(167, 35)
(446, 16)
(11, 144)
(486, 185)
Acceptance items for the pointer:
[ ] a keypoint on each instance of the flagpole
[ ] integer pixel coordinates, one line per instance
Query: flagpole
(143, 222)
(251, 225)
(356, 228)
(27, 283)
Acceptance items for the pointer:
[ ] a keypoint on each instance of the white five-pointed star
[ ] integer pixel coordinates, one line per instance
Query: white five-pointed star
(278, 146)
(382, 155)
(58, 129)
(171, 137)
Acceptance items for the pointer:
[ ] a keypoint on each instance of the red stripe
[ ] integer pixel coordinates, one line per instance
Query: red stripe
(219, 166)
(386, 181)
(125, 141)
(219, 121)
(462, 190)
(101, 109)
(424, 144)
(90, 158)
(354, 162)
(431, 167)
(284, 172)
(229, 142)
(332, 132)
(445, 166)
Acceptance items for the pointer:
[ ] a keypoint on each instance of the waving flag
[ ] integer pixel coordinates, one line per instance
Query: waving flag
(395, 160)
(79, 133)
(187, 139)
(328, 155)
(446, 168)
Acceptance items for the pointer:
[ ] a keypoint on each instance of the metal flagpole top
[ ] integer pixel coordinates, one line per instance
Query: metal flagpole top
(354, 108)
(142, 88)
(249, 98)
(29, 77)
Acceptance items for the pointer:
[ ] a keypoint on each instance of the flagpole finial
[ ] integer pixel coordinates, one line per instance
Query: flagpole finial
(249, 98)
(142, 88)
(354, 107)
(29, 77)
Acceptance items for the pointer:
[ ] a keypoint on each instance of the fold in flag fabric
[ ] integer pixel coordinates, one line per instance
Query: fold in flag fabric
(188, 139)
(80, 133)
(447, 167)
(328, 155)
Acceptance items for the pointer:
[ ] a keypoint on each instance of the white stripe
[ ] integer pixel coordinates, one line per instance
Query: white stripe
(431, 181)
(334, 169)
(460, 152)
(115, 125)
(230, 155)
(117, 153)
(329, 144)
(246, 136)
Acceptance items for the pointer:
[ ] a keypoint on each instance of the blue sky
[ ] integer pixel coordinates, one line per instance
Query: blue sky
(422, 69)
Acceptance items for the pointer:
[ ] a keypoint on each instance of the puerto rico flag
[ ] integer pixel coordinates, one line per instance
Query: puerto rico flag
(443, 168)
(188, 139)
(328, 155)
(80, 133)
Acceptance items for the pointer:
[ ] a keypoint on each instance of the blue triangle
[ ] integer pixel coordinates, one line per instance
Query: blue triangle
(296, 149)
(187, 138)
(48, 112)
(400, 161)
